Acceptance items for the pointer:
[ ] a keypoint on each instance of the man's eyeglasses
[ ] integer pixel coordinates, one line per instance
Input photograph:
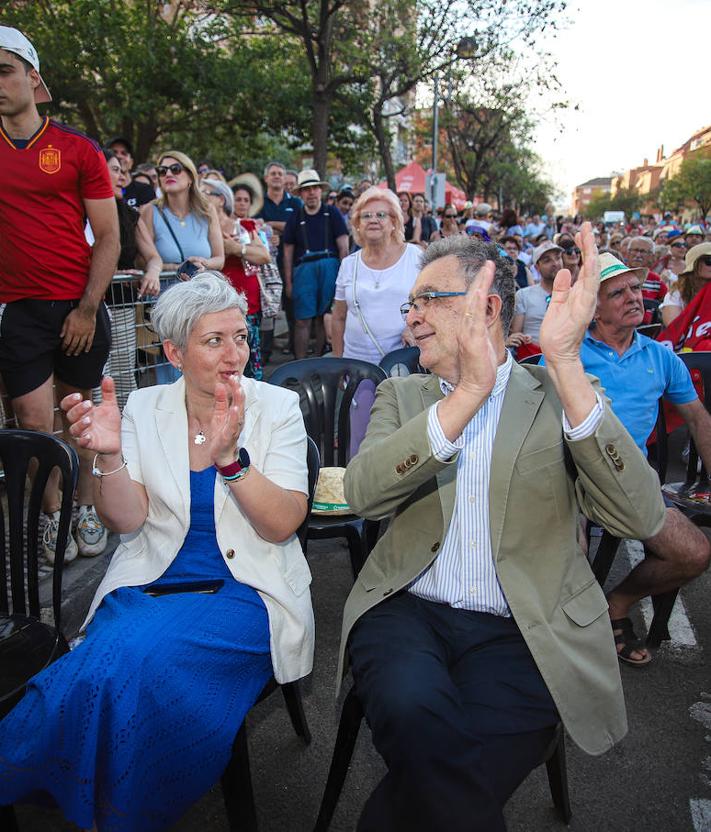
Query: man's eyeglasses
(381, 216)
(643, 252)
(175, 169)
(419, 302)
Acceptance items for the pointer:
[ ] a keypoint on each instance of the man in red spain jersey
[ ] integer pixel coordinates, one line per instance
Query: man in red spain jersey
(54, 327)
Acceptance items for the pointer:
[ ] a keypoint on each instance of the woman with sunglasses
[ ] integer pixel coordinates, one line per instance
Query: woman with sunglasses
(696, 275)
(449, 226)
(183, 224)
(572, 259)
(373, 282)
(674, 263)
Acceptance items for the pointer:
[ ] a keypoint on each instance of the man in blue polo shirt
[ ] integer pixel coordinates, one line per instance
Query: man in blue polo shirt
(635, 372)
(315, 242)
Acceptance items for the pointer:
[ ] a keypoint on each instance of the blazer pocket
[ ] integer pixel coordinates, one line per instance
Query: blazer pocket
(533, 461)
(299, 577)
(587, 605)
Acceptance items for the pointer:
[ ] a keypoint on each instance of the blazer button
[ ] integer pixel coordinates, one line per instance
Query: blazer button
(230, 553)
(414, 459)
(400, 468)
(435, 547)
(610, 450)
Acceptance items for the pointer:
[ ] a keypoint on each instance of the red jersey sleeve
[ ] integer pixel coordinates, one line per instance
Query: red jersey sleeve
(95, 180)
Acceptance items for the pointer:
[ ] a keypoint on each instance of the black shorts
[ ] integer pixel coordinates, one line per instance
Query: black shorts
(31, 349)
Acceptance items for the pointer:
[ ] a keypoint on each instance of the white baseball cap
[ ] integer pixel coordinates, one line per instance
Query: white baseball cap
(12, 40)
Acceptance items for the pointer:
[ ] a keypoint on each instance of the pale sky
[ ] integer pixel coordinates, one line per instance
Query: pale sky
(640, 72)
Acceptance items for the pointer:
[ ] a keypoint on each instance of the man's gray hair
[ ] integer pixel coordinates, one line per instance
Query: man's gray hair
(472, 254)
(274, 164)
(181, 306)
(644, 240)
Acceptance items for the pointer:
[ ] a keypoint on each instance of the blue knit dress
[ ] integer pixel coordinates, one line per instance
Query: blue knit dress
(134, 725)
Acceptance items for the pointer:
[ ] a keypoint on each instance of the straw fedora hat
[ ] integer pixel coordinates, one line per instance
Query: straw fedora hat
(254, 186)
(307, 178)
(610, 266)
(329, 497)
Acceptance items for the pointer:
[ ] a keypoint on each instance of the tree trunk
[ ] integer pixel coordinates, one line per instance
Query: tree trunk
(382, 134)
(319, 129)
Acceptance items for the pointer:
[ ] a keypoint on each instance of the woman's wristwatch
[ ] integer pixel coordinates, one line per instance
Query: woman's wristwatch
(236, 470)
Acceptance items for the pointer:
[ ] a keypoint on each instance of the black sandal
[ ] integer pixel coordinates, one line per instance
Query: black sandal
(629, 641)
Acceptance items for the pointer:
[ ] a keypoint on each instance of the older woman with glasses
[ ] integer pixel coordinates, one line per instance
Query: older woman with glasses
(373, 282)
(205, 599)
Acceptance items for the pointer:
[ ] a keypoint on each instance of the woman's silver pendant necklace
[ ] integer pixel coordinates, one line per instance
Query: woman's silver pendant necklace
(200, 438)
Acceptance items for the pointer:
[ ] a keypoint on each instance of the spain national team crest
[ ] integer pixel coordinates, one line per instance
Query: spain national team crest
(50, 159)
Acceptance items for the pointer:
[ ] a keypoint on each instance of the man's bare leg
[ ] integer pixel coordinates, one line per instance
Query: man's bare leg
(302, 332)
(319, 335)
(679, 553)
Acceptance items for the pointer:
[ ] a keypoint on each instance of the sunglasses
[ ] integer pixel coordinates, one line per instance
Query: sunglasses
(679, 245)
(381, 216)
(175, 169)
(450, 216)
(570, 250)
(706, 259)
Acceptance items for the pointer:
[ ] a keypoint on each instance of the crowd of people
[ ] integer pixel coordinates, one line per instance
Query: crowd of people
(473, 629)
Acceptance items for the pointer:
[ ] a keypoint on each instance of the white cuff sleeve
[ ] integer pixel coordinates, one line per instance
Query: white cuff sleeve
(442, 448)
(587, 427)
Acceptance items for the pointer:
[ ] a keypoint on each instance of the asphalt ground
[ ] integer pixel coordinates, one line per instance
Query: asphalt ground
(657, 778)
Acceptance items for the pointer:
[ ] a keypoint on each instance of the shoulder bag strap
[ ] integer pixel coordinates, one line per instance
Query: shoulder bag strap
(172, 233)
(356, 306)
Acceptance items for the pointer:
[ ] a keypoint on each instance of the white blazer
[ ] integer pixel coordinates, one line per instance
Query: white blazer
(155, 439)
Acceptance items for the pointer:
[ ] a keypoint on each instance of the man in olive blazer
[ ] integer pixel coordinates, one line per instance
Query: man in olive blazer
(463, 679)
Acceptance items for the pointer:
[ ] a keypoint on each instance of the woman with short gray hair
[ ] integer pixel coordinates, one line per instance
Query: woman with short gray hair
(206, 597)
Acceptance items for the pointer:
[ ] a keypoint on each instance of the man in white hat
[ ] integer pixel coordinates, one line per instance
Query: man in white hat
(532, 301)
(635, 372)
(55, 326)
(315, 242)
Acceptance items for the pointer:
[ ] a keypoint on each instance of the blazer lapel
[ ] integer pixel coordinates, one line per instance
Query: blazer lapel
(172, 424)
(446, 479)
(521, 403)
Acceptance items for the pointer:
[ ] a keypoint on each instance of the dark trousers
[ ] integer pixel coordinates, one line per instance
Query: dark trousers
(457, 708)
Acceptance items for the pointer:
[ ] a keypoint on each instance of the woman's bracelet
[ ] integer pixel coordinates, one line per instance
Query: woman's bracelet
(97, 473)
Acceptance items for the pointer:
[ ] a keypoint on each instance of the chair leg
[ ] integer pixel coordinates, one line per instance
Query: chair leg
(295, 707)
(659, 628)
(355, 549)
(348, 727)
(604, 557)
(558, 778)
(8, 821)
(237, 787)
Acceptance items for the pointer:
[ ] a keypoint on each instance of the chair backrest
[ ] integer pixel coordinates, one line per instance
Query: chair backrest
(313, 461)
(652, 306)
(650, 330)
(532, 359)
(326, 387)
(402, 362)
(698, 363)
(29, 456)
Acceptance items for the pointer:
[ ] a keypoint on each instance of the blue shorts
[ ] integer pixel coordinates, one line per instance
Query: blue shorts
(314, 286)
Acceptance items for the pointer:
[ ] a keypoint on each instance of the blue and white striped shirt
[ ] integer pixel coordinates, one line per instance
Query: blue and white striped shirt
(463, 574)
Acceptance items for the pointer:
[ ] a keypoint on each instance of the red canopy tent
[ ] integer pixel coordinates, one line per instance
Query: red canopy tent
(413, 177)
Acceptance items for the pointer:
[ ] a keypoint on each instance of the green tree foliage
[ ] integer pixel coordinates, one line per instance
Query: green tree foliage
(160, 75)
(692, 184)
(626, 199)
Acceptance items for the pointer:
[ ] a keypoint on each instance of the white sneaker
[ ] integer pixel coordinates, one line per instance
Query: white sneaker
(49, 539)
(91, 532)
